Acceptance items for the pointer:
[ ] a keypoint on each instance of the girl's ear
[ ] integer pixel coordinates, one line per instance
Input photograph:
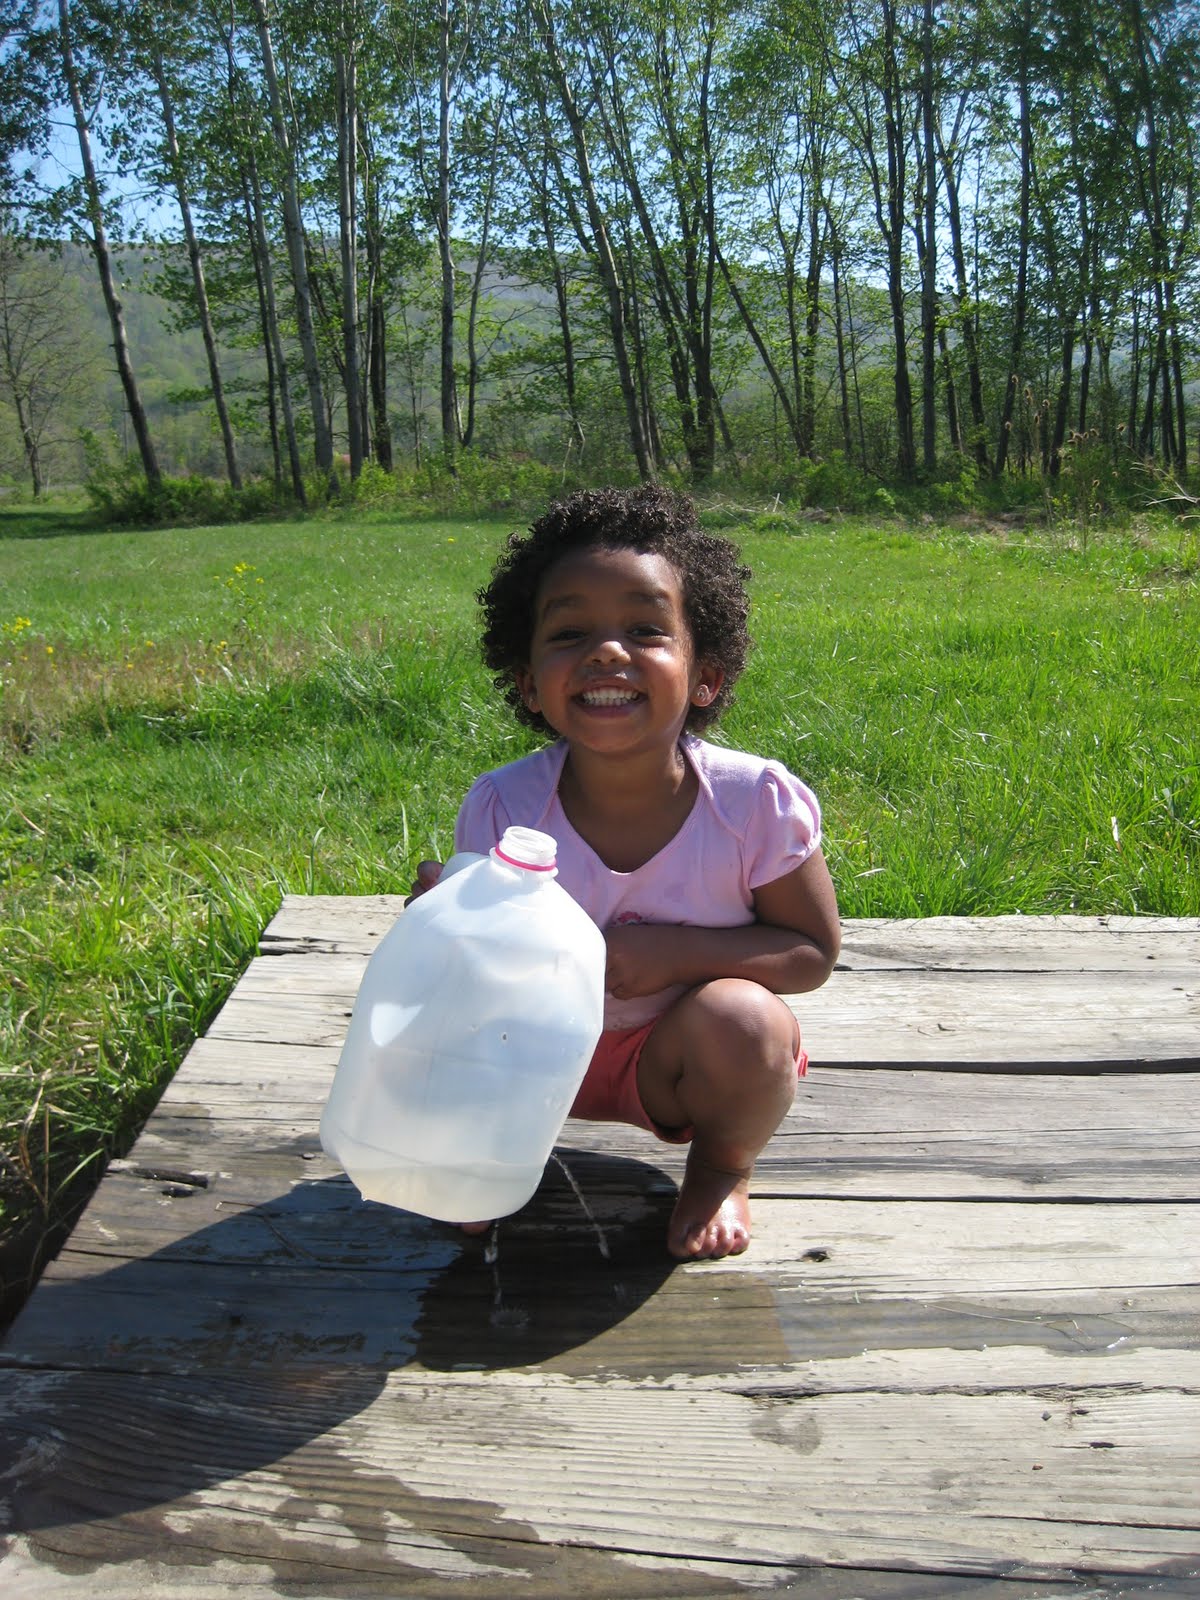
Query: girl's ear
(526, 689)
(708, 683)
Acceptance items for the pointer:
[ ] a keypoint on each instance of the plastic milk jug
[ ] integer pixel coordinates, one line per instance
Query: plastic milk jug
(470, 1035)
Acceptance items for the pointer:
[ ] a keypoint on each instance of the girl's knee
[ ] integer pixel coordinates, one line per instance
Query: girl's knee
(741, 1023)
(724, 1057)
(747, 1007)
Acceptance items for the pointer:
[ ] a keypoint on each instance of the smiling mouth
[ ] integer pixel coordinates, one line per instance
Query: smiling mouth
(609, 697)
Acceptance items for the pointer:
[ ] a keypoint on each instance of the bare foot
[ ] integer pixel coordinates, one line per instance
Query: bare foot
(712, 1215)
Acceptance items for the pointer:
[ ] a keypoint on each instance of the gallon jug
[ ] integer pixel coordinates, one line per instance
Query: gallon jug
(470, 1035)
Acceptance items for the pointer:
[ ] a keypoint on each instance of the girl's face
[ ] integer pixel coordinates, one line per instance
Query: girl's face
(611, 665)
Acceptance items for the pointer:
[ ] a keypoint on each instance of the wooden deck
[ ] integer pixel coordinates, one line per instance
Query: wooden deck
(962, 1357)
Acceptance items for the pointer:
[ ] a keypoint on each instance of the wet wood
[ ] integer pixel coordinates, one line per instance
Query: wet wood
(962, 1357)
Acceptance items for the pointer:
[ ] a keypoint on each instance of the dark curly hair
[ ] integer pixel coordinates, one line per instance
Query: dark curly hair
(652, 521)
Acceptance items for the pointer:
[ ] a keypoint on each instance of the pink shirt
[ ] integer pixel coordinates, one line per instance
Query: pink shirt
(752, 822)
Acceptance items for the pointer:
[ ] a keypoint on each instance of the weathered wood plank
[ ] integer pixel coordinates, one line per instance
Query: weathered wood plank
(349, 924)
(769, 1332)
(921, 1134)
(312, 1275)
(988, 1165)
(878, 1247)
(1124, 945)
(286, 1081)
(441, 1309)
(315, 1564)
(985, 1165)
(856, 995)
(338, 973)
(1016, 1484)
(948, 1019)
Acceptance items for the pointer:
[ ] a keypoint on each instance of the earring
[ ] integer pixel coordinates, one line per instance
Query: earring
(701, 696)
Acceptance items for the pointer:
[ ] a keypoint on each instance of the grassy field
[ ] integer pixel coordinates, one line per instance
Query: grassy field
(194, 722)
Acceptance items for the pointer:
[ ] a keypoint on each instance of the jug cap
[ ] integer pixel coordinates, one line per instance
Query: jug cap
(528, 849)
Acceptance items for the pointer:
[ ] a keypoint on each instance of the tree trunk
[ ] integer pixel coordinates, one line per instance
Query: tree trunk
(345, 69)
(196, 262)
(449, 393)
(562, 305)
(1062, 408)
(839, 334)
(377, 323)
(952, 419)
(481, 260)
(538, 173)
(264, 323)
(964, 314)
(29, 444)
(33, 456)
(929, 295)
(293, 224)
(1135, 372)
(892, 213)
(103, 256)
(779, 385)
(1151, 184)
(1020, 297)
(675, 315)
(812, 324)
(262, 248)
(601, 247)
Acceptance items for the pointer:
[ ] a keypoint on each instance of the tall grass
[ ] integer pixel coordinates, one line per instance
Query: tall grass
(196, 722)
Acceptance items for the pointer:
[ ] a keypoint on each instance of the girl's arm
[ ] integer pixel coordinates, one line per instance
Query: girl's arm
(789, 949)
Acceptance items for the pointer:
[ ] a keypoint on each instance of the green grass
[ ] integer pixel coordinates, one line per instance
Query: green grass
(196, 721)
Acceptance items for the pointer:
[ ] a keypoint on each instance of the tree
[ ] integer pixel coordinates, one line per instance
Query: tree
(177, 169)
(24, 94)
(45, 363)
(1016, 39)
(346, 71)
(1154, 90)
(670, 52)
(785, 164)
(76, 81)
(294, 233)
(593, 234)
(875, 88)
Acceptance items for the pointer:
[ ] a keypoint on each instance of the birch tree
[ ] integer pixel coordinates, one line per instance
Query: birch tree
(78, 81)
(294, 233)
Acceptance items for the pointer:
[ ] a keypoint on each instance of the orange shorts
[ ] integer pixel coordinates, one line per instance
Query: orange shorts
(609, 1091)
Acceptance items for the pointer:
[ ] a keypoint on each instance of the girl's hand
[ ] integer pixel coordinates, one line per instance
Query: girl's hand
(639, 959)
(428, 873)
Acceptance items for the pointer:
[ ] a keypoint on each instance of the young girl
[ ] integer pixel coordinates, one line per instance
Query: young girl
(618, 625)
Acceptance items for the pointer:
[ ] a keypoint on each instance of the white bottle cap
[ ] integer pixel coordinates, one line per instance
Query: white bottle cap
(528, 849)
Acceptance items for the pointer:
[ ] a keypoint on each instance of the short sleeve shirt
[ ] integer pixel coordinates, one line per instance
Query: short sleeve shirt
(752, 822)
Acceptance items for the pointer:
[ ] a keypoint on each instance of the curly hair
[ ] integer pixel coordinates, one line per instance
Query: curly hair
(652, 521)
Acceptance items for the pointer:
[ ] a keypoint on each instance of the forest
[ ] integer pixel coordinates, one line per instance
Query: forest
(803, 244)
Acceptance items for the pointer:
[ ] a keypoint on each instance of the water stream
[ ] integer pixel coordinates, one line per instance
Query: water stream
(587, 1210)
(510, 1318)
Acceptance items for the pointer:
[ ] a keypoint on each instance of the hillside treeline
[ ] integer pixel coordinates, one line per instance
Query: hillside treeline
(914, 241)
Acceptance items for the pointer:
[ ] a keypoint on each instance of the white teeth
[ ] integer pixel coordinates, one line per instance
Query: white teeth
(607, 697)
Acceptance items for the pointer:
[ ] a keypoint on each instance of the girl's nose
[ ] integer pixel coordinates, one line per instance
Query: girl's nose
(605, 648)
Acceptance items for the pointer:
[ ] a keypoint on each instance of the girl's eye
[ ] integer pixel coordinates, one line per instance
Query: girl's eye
(565, 635)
